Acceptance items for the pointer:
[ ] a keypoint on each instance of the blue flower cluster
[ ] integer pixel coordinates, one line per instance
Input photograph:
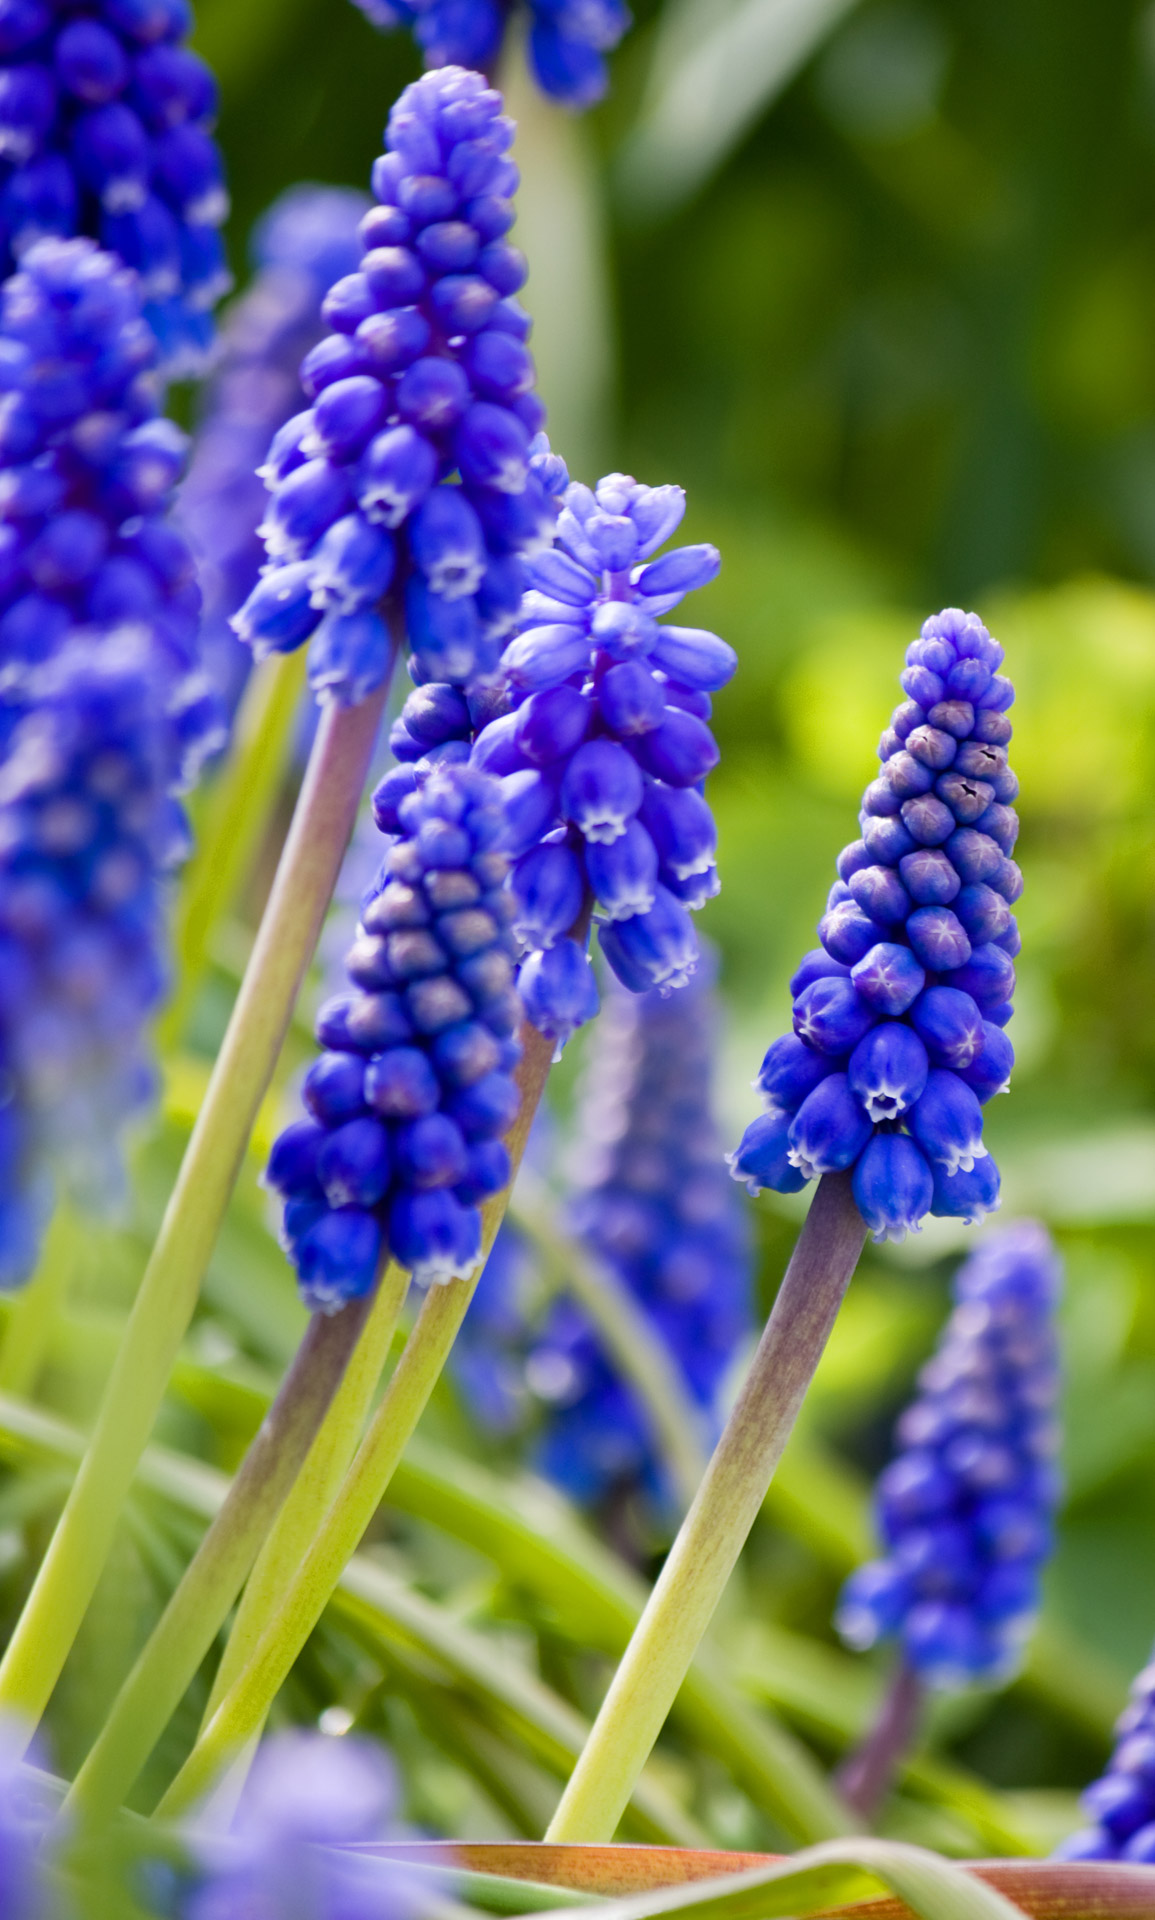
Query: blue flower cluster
(301, 1840)
(1121, 1805)
(410, 1100)
(966, 1509)
(656, 1206)
(105, 130)
(306, 240)
(411, 471)
(25, 1814)
(568, 39)
(603, 750)
(104, 717)
(899, 1015)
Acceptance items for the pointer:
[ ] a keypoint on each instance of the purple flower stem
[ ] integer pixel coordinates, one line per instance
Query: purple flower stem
(864, 1778)
(714, 1531)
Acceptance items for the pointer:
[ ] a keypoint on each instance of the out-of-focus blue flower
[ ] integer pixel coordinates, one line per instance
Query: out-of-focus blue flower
(410, 1101)
(306, 241)
(26, 1892)
(488, 1359)
(412, 471)
(1120, 1806)
(568, 39)
(309, 1804)
(104, 714)
(88, 831)
(106, 130)
(966, 1508)
(654, 1205)
(603, 749)
(898, 1016)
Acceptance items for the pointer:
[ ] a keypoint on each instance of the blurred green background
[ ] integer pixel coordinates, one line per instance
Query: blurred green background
(876, 284)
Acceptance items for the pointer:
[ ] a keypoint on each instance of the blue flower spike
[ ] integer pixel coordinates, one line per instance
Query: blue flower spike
(1120, 1806)
(899, 1014)
(408, 1104)
(603, 748)
(106, 121)
(414, 470)
(966, 1508)
(568, 39)
(655, 1206)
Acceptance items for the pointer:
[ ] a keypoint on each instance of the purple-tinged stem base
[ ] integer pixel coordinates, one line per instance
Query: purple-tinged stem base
(864, 1778)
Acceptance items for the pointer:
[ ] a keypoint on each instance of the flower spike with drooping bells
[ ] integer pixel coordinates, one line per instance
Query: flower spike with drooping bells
(306, 240)
(967, 1507)
(411, 1099)
(568, 39)
(899, 1015)
(1120, 1805)
(604, 748)
(411, 468)
(653, 1204)
(105, 130)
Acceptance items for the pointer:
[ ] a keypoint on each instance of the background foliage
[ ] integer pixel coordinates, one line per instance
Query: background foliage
(897, 343)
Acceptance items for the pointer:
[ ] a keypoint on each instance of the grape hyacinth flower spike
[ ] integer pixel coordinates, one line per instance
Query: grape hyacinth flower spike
(899, 1015)
(655, 1206)
(604, 748)
(567, 45)
(106, 130)
(411, 471)
(410, 1100)
(966, 1508)
(1120, 1805)
(307, 239)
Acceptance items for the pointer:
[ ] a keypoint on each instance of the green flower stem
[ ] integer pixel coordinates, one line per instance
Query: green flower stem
(865, 1776)
(244, 1706)
(312, 1493)
(168, 1292)
(32, 1318)
(638, 1350)
(339, 1352)
(232, 825)
(715, 1529)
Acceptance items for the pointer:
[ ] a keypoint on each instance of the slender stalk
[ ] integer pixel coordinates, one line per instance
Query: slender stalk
(714, 1531)
(311, 1389)
(637, 1348)
(312, 1492)
(168, 1292)
(244, 1706)
(235, 820)
(33, 1313)
(865, 1777)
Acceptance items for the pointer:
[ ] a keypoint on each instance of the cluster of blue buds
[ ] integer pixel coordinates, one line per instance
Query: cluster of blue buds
(966, 1509)
(88, 830)
(603, 750)
(1121, 1805)
(410, 1101)
(568, 39)
(306, 241)
(656, 1207)
(898, 1016)
(105, 130)
(411, 471)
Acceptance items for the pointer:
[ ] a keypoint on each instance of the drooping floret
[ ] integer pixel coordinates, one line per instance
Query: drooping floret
(410, 1101)
(899, 1015)
(106, 130)
(306, 240)
(411, 470)
(966, 1508)
(567, 44)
